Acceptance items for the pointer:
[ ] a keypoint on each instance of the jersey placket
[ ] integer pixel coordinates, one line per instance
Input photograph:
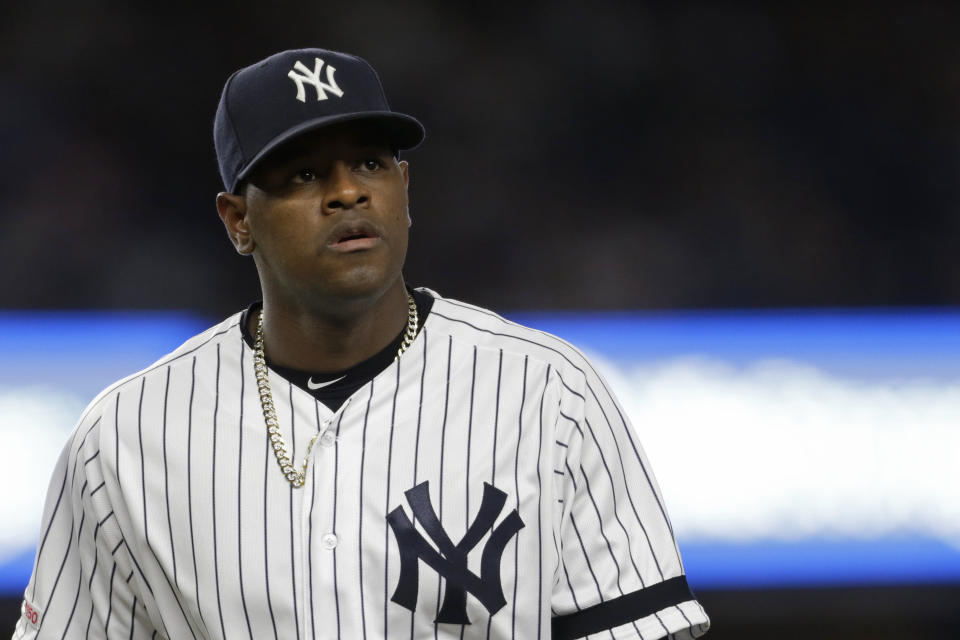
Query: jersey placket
(317, 522)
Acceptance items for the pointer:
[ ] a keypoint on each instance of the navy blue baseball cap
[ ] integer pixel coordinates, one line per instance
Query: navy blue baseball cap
(293, 92)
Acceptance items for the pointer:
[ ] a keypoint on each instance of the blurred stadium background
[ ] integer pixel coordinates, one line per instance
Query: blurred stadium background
(748, 215)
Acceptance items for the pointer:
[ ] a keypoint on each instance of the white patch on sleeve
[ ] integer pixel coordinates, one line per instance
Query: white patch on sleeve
(31, 614)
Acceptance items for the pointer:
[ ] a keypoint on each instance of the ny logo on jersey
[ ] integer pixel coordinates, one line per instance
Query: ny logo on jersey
(313, 78)
(451, 561)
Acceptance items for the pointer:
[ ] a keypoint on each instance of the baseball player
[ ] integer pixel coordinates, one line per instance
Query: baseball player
(351, 457)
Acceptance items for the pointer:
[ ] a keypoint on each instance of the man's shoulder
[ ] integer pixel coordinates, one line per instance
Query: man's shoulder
(470, 323)
(201, 346)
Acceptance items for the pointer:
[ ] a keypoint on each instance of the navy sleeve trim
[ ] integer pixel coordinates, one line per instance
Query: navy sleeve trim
(626, 608)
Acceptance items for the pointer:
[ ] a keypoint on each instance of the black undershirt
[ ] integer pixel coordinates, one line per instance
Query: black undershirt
(334, 394)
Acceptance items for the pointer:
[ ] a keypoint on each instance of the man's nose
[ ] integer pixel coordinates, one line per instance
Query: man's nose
(344, 191)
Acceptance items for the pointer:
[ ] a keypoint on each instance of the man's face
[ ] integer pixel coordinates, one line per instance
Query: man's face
(327, 215)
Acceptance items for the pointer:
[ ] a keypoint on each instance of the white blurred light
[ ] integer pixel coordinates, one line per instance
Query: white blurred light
(34, 425)
(782, 450)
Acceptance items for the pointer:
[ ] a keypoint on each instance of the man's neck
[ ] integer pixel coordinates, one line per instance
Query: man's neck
(312, 340)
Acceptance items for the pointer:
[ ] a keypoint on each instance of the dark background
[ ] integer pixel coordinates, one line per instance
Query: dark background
(607, 155)
(598, 155)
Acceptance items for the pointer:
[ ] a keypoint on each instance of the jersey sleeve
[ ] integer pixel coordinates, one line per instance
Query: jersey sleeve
(619, 570)
(82, 584)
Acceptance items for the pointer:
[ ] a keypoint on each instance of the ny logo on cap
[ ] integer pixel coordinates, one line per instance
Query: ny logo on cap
(313, 77)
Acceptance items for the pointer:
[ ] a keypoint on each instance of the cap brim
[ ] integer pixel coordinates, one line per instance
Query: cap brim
(401, 131)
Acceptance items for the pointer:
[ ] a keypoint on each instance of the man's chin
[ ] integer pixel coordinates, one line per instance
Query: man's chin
(361, 287)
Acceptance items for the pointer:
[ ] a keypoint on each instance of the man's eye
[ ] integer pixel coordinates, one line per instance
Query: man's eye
(371, 164)
(304, 175)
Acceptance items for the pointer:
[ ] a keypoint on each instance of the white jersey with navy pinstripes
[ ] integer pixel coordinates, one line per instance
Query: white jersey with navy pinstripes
(486, 485)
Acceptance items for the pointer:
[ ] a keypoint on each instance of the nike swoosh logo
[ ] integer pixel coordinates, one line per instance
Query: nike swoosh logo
(313, 386)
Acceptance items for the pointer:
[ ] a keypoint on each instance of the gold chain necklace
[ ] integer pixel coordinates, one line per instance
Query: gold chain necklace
(294, 475)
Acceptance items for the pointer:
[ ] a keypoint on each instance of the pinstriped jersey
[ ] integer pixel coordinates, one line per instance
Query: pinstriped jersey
(485, 485)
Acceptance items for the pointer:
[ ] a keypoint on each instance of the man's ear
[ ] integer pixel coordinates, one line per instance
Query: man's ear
(233, 212)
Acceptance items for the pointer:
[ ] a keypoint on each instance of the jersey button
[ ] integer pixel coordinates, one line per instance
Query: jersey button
(329, 541)
(328, 438)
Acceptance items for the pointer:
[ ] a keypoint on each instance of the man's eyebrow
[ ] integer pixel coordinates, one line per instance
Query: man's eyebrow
(299, 152)
(286, 155)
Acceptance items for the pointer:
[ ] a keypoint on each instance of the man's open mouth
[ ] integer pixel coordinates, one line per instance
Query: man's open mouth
(353, 236)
